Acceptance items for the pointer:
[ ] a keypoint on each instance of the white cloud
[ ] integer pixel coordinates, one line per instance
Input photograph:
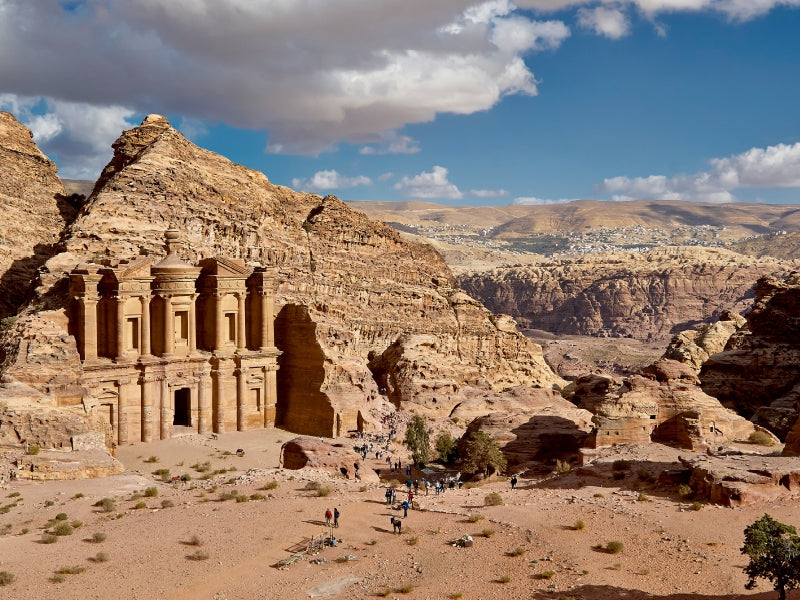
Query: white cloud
(329, 180)
(772, 167)
(610, 22)
(533, 200)
(310, 73)
(489, 193)
(82, 132)
(433, 184)
(393, 143)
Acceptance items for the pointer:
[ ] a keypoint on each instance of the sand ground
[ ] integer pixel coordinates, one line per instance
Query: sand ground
(671, 552)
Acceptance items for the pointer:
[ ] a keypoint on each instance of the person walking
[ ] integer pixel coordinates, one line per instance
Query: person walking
(513, 482)
(328, 517)
(405, 508)
(335, 517)
(388, 495)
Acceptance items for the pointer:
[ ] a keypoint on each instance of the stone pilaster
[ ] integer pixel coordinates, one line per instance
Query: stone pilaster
(241, 398)
(204, 411)
(241, 332)
(145, 329)
(166, 410)
(119, 302)
(169, 326)
(147, 409)
(193, 325)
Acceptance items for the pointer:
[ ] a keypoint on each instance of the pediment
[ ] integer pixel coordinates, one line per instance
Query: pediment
(138, 268)
(226, 267)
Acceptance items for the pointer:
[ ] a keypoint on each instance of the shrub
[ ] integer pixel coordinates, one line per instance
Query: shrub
(645, 475)
(455, 596)
(256, 496)
(49, 503)
(139, 505)
(762, 438)
(493, 499)
(34, 450)
(242, 498)
(503, 579)
(643, 497)
(100, 557)
(167, 504)
(621, 465)
(518, 551)
(562, 466)
(6, 578)
(49, 538)
(272, 485)
(488, 532)
(228, 495)
(312, 485)
(546, 575)
(162, 473)
(58, 578)
(194, 541)
(198, 555)
(77, 496)
(599, 495)
(475, 517)
(151, 459)
(61, 517)
(73, 570)
(685, 491)
(98, 537)
(697, 506)
(580, 525)
(202, 467)
(324, 491)
(413, 541)
(63, 528)
(405, 588)
(614, 547)
(77, 524)
(107, 504)
(151, 492)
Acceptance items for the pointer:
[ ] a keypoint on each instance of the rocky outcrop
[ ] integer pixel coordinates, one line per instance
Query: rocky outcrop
(542, 429)
(47, 427)
(693, 346)
(663, 404)
(302, 452)
(758, 373)
(744, 480)
(51, 465)
(353, 296)
(646, 296)
(35, 211)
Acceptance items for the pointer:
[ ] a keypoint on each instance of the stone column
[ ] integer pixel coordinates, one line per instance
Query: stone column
(122, 411)
(147, 410)
(89, 309)
(204, 412)
(120, 326)
(219, 337)
(266, 320)
(241, 332)
(192, 325)
(145, 329)
(241, 399)
(270, 395)
(166, 410)
(169, 327)
(219, 415)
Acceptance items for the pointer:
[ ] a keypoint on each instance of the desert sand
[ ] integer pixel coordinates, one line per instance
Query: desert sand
(670, 551)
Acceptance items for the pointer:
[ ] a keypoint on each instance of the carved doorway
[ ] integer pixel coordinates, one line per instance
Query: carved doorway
(183, 406)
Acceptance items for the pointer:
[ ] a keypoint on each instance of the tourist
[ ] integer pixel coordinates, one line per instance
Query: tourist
(335, 517)
(513, 482)
(328, 516)
(388, 495)
(405, 508)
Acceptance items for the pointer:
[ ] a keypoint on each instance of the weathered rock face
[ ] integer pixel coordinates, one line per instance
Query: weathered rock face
(664, 404)
(693, 346)
(48, 427)
(351, 288)
(644, 296)
(51, 465)
(35, 211)
(744, 480)
(313, 453)
(535, 430)
(758, 373)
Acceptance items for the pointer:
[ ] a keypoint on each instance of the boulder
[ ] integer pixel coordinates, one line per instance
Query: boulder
(314, 453)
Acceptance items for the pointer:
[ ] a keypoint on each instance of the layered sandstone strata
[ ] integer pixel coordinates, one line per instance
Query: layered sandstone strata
(663, 404)
(353, 295)
(35, 211)
(644, 296)
(693, 346)
(312, 453)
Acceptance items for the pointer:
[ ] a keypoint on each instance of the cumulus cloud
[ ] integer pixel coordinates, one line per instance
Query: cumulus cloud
(323, 181)
(609, 22)
(393, 144)
(489, 193)
(82, 132)
(772, 167)
(310, 74)
(433, 184)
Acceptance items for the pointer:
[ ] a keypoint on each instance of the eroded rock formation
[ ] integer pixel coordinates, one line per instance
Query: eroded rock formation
(651, 295)
(35, 211)
(353, 295)
(302, 452)
(663, 404)
(693, 346)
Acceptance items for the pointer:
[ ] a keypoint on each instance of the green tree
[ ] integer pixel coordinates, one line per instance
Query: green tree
(446, 447)
(418, 440)
(481, 454)
(774, 551)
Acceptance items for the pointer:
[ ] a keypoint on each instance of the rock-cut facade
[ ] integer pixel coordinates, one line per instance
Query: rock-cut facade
(169, 347)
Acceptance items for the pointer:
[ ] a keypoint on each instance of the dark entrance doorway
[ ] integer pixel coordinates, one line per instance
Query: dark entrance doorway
(183, 413)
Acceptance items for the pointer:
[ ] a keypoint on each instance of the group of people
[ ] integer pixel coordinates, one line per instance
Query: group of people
(334, 516)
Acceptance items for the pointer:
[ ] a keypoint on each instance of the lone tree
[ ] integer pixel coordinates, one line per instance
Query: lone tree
(481, 454)
(774, 551)
(446, 447)
(418, 440)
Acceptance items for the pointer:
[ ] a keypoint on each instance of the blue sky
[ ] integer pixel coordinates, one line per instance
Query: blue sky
(456, 101)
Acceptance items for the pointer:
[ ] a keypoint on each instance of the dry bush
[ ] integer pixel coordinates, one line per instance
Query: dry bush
(324, 491)
(100, 557)
(580, 525)
(98, 537)
(6, 578)
(151, 492)
(198, 555)
(546, 575)
(761, 438)
(488, 532)
(493, 499)
(272, 485)
(106, 504)
(63, 528)
(475, 517)
(562, 466)
(518, 551)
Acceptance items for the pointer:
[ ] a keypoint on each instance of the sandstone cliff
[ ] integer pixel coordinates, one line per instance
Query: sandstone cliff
(645, 296)
(759, 370)
(35, 211)
(353, 297)
(692, 347)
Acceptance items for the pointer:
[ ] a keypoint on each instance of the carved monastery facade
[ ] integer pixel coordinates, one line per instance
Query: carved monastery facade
(168, 347)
